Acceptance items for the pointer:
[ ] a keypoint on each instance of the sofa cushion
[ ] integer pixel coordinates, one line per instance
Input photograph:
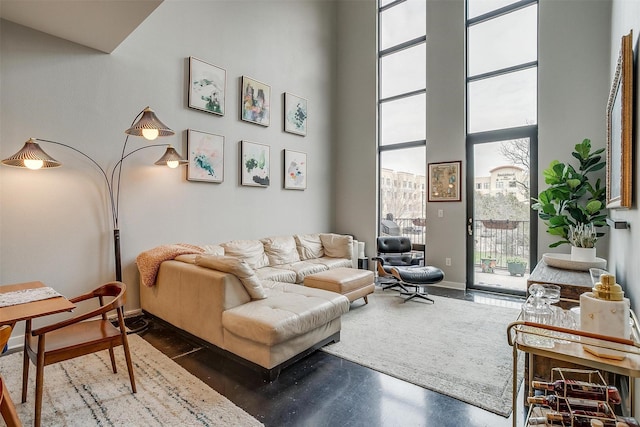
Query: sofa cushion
(332, 263)
(251, 251)
(309, 246)
(289, 311)
(277, 274)
(337, 245)
(303, 269)
(280, 250)
(238, 268)
(213, 250)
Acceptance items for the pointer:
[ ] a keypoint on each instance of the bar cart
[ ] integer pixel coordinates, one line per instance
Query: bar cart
(575, 346)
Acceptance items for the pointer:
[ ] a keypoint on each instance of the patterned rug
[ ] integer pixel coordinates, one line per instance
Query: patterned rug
(85, 392)
(458, 348)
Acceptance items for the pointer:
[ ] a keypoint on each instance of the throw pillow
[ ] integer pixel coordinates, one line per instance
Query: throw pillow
(281, 250)
(309, 246)
(252, 251)
(238, 268)
(337, 245)
(213, 250)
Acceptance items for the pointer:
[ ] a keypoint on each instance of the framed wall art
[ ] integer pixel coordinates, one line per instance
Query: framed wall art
(206, 156)
(295, 170)
(255, 164)
(445, 182)
(619, 132)
(207, 86)
(295, 114)
(255, 101)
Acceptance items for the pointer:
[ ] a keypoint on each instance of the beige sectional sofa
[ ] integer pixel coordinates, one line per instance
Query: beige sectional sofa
(246, 297)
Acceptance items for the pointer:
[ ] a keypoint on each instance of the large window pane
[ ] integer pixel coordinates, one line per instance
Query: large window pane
(480, 7)
(503, 42)
(504, 101)
(403, 71)
(403, 22)
(403, 120)
(402, 192)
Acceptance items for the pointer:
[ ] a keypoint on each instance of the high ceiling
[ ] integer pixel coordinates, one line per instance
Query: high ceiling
(99, 24)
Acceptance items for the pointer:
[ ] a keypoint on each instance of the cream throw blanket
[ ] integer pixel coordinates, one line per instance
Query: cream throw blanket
(149, 261)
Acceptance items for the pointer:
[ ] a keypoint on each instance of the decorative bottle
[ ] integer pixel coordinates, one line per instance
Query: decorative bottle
(571, 404)
(581, 389)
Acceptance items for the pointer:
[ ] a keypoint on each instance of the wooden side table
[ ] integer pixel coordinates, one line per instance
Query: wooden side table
(572, 283)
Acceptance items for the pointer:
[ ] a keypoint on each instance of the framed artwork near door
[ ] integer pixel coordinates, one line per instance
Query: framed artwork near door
(444, 181)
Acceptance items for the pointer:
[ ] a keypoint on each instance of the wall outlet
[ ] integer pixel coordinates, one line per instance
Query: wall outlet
(447, 261)
(440, 213)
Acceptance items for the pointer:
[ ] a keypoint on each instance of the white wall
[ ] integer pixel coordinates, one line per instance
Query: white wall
(355, 158)
(446, 236)
(624, 243)
(54, 224)
(623, 260)
(573, 78)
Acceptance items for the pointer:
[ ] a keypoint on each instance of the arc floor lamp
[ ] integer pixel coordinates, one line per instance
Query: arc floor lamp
(148, 125)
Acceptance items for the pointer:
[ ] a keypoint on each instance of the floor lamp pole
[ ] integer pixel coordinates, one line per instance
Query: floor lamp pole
(116, 246)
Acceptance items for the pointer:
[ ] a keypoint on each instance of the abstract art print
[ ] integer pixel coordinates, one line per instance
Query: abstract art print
(255, 101)
(295, 170)
(207, 84)
(206, 156)
(444, 182)
(255, 164)
(295, 114)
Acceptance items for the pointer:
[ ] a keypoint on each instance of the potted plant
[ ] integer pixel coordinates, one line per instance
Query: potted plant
(488, 265)
(573, 206)
(516, 266)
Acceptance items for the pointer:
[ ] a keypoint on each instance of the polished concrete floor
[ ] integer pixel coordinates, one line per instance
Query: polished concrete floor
(324, 390)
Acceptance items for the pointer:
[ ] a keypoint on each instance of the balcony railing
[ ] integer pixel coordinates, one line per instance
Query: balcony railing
(495, 239)
(499, 240)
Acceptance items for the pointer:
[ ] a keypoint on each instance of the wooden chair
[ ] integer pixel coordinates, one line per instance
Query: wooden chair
(79, 336)
(7, 408)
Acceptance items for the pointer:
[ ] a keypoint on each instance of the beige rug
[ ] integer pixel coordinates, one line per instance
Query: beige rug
(85, 392)
(458, 348)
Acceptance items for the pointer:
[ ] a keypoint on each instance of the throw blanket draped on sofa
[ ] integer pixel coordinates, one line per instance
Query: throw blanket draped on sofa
(149, 261)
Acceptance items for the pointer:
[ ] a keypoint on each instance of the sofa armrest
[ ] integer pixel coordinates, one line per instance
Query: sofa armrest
(193, 298)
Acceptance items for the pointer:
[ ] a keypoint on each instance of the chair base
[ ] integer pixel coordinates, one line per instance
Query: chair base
(417, 294)
(393, 284)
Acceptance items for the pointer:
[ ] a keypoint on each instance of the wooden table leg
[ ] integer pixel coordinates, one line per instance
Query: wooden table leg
(25, 361)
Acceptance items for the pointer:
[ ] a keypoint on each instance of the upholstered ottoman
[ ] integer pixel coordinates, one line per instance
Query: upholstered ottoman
(350, 282)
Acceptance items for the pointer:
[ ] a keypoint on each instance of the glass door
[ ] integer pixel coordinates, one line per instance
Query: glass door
(501, 226)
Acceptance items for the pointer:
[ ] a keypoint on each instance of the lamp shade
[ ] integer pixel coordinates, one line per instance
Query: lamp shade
(31, 156)
(171, 158)
(149, 126)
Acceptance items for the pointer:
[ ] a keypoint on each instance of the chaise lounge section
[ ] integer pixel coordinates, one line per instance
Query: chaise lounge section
(247, 299)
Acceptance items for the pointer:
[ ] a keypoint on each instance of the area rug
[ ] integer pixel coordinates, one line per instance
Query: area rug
(85, 392)
(455, 347)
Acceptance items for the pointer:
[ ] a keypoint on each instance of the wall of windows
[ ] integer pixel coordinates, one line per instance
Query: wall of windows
(402, 116)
